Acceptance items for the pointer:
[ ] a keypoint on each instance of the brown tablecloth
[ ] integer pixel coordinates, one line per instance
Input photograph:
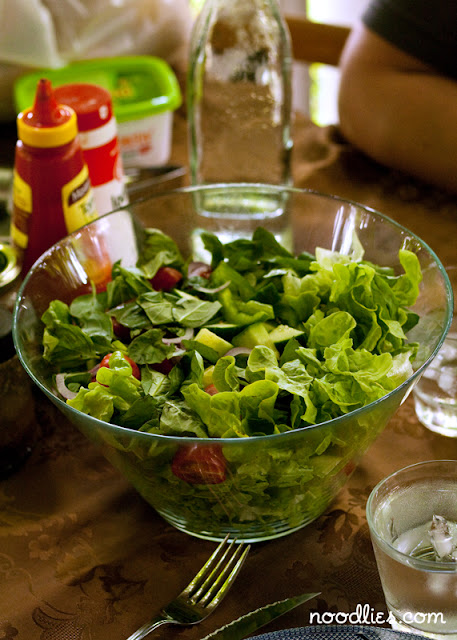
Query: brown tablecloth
(83, 557)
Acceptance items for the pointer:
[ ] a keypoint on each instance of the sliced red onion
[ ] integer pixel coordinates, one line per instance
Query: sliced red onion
(215, 290)
(188, 335)
(62, 387)
(93, 371)
(197, 269)
(236, 351)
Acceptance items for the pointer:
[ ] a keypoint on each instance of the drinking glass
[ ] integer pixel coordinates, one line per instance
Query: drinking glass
(412, 517)
(435, 393)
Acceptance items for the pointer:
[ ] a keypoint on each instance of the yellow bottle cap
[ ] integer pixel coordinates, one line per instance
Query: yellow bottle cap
(47, 124)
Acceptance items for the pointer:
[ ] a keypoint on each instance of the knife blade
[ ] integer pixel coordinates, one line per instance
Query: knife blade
(252, 621)
(144, 181)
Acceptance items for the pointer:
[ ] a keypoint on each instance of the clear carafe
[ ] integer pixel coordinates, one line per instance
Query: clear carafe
(239, 107)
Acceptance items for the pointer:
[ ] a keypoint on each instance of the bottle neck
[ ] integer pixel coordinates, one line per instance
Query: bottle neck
(63, 149)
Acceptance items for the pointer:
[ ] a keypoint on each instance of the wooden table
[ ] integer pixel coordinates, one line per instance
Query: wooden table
(83, 557)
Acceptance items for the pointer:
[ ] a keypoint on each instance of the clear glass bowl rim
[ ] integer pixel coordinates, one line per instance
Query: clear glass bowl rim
(243, 186)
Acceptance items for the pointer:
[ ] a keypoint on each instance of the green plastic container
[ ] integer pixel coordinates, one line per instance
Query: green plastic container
(144, 90)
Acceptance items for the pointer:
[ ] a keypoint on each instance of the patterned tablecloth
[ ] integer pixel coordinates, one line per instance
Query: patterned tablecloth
(83, 557)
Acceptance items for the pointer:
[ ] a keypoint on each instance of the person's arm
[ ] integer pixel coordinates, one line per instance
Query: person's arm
(398, 110)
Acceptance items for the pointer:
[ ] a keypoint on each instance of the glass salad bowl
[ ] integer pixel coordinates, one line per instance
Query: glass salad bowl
(262, 375)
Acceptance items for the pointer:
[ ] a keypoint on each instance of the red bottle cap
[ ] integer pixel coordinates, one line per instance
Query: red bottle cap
(47, 123)
(92, 103)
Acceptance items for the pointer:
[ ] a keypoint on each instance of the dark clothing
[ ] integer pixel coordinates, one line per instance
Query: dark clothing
(425, 29)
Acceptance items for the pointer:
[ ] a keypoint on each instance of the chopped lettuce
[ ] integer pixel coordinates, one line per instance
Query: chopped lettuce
(349, 320)
(352, 319)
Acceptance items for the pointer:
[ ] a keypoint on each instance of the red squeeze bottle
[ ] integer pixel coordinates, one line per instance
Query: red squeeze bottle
(52, 193)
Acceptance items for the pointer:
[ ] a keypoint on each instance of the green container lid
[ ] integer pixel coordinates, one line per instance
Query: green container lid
(140, 86)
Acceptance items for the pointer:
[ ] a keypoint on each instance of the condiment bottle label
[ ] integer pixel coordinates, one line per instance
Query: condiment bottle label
(22, 199)
(103, 158)
(78, 202)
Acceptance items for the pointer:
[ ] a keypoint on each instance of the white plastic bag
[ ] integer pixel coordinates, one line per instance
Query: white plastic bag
(98, 28)
(52, 33)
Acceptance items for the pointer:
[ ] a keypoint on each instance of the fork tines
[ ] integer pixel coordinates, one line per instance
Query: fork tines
(215, 577)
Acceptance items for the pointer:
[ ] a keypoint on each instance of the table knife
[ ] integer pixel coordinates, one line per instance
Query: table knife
(252, 621)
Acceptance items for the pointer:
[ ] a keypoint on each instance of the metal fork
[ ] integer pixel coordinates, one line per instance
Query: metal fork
(204, 592)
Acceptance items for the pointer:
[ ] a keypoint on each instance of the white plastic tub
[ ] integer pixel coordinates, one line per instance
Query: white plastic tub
(145, 93)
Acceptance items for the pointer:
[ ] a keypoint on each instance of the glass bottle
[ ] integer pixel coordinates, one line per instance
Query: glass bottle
(239, 106)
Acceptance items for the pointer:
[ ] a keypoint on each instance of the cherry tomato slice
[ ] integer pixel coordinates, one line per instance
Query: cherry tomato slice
(207, 274)
(349, 468)
(163, 367)
(211, 389)
(120, 331)
(135, 369)
(199, 464)
(166, 279)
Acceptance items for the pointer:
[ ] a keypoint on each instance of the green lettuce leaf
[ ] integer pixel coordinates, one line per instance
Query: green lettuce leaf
(159, 250)
(148, 348)
(190, 311)
(65, 344)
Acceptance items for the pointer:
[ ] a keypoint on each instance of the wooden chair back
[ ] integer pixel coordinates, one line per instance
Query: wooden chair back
(316, 41)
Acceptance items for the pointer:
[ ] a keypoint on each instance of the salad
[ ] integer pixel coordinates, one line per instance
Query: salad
(255, 343)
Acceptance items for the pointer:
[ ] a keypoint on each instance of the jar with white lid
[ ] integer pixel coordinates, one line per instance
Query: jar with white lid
(99, 141)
